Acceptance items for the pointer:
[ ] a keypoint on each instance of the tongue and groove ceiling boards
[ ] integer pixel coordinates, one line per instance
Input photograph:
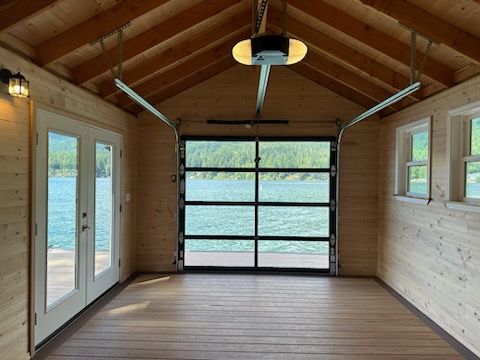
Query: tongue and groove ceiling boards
(357, 48)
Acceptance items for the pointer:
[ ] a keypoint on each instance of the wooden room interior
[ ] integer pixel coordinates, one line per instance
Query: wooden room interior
(180, 180)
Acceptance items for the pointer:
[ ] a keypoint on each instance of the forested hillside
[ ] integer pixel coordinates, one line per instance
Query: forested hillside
(238, 154)
(62, 157)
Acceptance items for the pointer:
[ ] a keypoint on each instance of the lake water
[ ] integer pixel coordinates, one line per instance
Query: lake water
(215, 220)
(62, 213)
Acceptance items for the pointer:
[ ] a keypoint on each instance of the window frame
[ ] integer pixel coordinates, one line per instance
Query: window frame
(467, 157)
(458, 155)
(404, 154)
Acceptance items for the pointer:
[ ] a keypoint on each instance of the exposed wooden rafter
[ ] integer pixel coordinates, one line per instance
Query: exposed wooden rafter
(152, 37)
(170, 56)
(14, 12)
(195, 63)
(187, 82)
(342, 52)
(430, 25)
(346, 76)
(93, 28)
(372, 37)
(332, 85)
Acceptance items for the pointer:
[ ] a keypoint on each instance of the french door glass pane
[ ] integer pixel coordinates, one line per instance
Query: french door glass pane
(103, 207)
(293, 221)
(237, 253)
(219, 220)
(61, 215)
(472, 175)
(294, 187)
(220, 186)
(417, 179)
(293, 254)
(475, 137)
(225, 154)
(294, 154)
(420, 146)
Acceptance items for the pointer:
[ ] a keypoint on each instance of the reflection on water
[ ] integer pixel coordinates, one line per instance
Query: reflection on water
(61, 225)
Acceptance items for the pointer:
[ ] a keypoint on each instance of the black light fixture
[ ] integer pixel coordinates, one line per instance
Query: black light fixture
(18, 86)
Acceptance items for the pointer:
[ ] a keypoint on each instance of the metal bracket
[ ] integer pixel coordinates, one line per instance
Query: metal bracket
(333, 205)
(414, 73)
(333, 171)
(333, 240)
(333, 146)
(182, 187)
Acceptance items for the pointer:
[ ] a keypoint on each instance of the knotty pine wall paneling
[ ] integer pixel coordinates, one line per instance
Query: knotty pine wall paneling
(15, 178)
(429, 253)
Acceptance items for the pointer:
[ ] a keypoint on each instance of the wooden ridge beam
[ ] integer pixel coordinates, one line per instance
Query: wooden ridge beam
(21, 10)
(152, 37)
(346, 76)
(190, 66)
(93, 28)
(170, 56)
(188, 82)
(342, 52)
(430, 25)
(332, 85)
(375, 39)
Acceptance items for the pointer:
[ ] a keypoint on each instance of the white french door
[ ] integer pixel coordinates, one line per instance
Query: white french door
(77, 218)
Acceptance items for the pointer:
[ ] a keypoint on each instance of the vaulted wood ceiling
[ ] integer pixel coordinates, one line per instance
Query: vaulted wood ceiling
(356, 47)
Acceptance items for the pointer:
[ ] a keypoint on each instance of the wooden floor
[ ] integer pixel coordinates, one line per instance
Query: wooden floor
(271, 317)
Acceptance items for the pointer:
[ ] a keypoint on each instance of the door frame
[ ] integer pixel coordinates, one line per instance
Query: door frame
(333, 259)
(35, 107)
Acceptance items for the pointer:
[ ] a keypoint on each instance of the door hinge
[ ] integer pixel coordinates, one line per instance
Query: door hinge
(35, 318)
(119, 262)
(36, 138)
(121, 154)
(36, 229)
(120, 208)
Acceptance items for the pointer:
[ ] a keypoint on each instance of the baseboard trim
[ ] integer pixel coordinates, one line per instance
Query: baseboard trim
(457, 345)
(67, 330)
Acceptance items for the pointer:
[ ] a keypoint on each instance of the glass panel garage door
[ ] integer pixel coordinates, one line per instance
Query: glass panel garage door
(266, 204)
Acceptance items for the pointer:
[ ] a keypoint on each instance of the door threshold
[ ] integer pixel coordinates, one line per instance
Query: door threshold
(257, 271)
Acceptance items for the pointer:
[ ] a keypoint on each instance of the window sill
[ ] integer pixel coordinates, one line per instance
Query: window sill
(462, 206)
(411, 199)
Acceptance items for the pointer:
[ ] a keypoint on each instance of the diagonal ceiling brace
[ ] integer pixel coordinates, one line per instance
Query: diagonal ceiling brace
(262, 88)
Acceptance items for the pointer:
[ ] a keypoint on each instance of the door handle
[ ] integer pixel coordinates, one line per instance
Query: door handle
(85, 227)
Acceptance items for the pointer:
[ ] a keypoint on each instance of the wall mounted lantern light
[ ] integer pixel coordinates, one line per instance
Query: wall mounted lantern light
(17, 84)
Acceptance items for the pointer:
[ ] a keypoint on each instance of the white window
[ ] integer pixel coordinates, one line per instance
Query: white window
(413, 160)
(464, 154)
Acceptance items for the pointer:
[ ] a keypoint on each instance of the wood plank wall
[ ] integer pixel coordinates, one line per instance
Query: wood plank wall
(231, 95)
(15, 186)
(428, 253)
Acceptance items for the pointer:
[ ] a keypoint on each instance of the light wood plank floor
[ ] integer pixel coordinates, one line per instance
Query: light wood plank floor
(271, 317)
